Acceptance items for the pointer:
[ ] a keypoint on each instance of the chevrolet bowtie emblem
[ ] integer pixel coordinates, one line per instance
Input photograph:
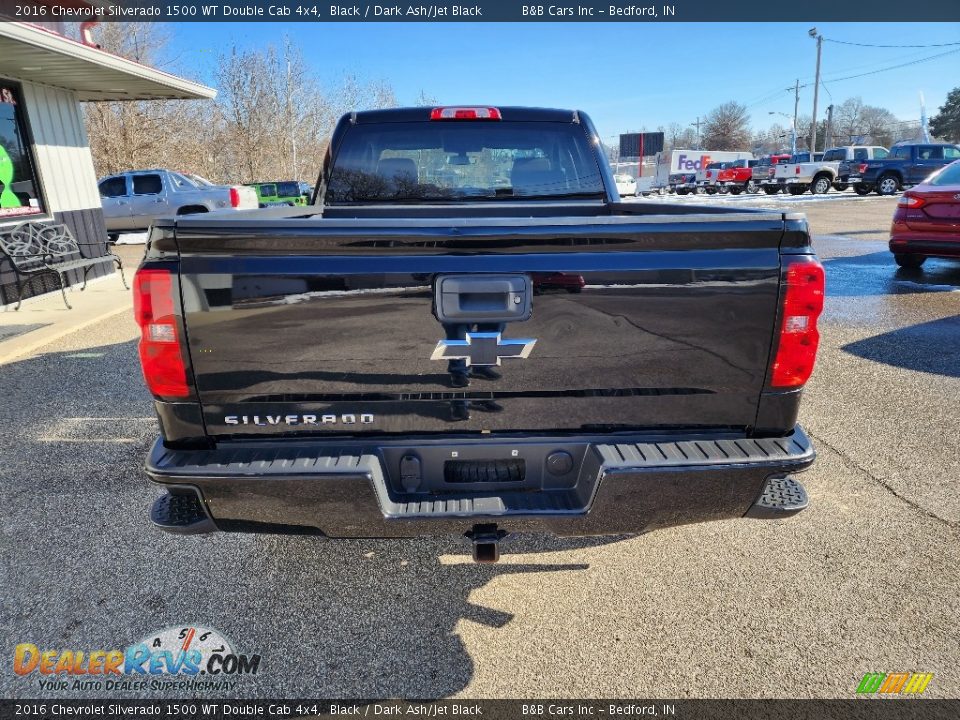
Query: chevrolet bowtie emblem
(483, 348)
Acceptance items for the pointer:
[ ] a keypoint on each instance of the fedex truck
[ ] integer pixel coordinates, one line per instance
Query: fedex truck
(671, 164)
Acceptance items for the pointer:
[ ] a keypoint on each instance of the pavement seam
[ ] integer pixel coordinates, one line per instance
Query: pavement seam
(850, 462)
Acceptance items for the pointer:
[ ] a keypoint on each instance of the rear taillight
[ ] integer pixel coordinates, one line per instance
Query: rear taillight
(796, 170)
(771, 171)
(799, 338)
(234, 197)
(862, 168)
(709, 173)
(911, 201)
(161, 358)
(465, 113)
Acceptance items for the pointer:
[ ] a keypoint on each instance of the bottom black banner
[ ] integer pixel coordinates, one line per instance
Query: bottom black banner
(867, 709)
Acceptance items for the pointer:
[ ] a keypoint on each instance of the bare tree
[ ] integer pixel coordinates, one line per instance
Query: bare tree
(271, 120)
(727, 127)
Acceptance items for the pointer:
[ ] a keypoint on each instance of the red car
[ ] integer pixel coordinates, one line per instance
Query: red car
(927, 220)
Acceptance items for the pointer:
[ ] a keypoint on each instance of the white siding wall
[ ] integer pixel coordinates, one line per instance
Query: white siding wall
(61, 149)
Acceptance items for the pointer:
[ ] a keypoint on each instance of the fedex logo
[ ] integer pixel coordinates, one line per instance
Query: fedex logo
(683, 163)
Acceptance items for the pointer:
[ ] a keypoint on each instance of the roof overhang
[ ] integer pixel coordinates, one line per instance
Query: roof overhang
(34, 54)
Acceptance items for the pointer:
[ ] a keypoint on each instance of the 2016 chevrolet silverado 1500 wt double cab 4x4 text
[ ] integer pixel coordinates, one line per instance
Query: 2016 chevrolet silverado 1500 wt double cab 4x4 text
(468, 331)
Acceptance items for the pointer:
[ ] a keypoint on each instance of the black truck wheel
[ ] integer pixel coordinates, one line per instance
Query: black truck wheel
(862, 189)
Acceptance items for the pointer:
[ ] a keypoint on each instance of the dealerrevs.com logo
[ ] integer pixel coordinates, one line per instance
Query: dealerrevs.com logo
(176, 658)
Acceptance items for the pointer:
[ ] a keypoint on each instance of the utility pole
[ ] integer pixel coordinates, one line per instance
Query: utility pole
(816, 88)
(292, 124)
(828, 140)
(796, 105)
(697, 123)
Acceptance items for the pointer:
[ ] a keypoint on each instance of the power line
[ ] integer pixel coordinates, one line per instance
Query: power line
(844, 42)
(892, 67)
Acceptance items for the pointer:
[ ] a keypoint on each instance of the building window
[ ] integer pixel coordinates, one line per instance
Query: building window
(19, 185)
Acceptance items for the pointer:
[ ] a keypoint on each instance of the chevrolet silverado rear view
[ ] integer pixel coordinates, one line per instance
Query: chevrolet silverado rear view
(467, 331)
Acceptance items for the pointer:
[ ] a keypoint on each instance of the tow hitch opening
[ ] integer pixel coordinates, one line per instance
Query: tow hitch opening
(486, 542)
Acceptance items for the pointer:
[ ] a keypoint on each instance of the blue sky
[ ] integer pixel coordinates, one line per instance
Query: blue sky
(625, 75)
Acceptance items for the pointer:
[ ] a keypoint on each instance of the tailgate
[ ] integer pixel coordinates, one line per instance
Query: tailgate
(333, 326)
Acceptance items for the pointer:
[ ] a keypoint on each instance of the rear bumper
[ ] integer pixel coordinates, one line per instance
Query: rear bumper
(925, 244)
(601, 486)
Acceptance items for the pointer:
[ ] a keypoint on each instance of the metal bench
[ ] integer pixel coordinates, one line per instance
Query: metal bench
(35, 248)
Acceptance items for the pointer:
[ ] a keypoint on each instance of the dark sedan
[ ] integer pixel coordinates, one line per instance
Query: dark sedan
(927, 220)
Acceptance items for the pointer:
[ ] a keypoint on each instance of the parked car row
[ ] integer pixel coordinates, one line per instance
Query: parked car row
(866, 168)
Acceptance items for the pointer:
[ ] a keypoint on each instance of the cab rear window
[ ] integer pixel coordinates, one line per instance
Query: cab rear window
(413, 161)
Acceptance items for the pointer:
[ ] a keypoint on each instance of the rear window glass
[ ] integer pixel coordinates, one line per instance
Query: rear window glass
(456, 160)
(835, 154)
(268, 190)
(950, 175)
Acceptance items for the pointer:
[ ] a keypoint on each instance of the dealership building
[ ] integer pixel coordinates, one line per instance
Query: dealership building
(46, 168)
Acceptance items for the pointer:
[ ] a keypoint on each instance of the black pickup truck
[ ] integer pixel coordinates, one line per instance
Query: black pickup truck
(468, 332)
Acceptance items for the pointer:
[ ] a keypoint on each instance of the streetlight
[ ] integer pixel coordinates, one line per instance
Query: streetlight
(793, 130)
(812, 32)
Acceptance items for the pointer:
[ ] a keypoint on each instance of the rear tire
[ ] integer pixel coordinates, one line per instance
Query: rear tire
(861, 189)
(909, 260)
(888, 184)
(771, 190)
(723, 189)
(710, 191)
(736, 190)
(840, 186)
(681, 192)
(821, 185)
(796, 189)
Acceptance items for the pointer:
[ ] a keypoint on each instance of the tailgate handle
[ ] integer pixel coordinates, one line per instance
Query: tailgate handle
(483, 298)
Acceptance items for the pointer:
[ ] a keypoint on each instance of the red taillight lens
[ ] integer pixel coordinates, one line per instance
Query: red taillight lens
(161, 358)
(709, 173)
(862, 168)
(234, 197)
(465, 113)
(911, 201)
(799, 338)
(796, 170)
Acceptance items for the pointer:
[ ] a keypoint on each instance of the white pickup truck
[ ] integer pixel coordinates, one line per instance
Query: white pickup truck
(821, 174)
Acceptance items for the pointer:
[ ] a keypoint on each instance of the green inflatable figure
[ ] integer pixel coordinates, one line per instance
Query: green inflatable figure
(7, 198)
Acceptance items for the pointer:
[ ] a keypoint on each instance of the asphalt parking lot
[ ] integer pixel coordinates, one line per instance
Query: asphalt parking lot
(865, 580)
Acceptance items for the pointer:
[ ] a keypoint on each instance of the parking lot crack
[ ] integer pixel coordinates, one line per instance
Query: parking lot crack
(850, 462)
